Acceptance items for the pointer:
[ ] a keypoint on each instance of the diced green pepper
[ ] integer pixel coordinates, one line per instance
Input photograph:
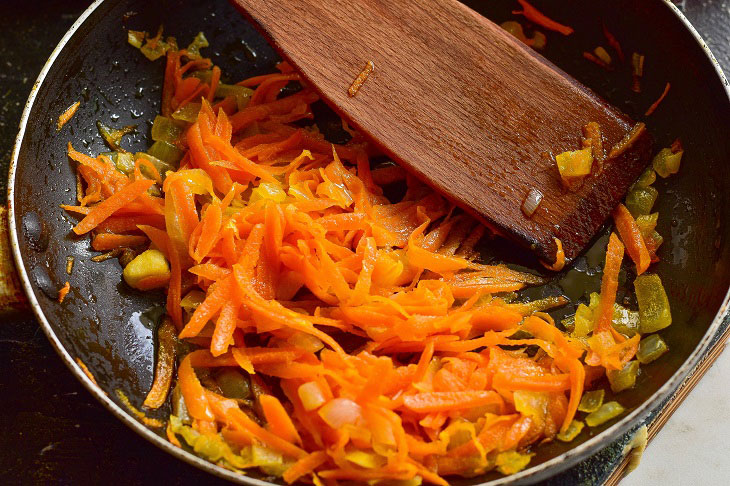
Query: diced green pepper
(205, 75)
(188, 113)
(647, 223)
(591, 401)
(607, 412)
(113, 136)
(654, 312)
(198, 43)
(241, 93)
(166, 129)
(165, 152)
(625, 321)
(651, 348)
(624, 378)
(583, 321)
(233, 384)
(178, 405)
(123, 161)
(640, 200)
(574, 429)
(666, 162)
(647, 178)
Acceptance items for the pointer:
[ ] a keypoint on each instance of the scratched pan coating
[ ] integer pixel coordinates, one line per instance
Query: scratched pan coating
(109, 327)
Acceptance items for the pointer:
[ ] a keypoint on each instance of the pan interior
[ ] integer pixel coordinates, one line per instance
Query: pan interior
(109, 327)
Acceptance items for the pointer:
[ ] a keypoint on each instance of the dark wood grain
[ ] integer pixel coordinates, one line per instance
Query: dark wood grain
(463, 105)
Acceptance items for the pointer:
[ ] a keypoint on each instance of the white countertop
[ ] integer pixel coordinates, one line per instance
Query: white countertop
(693, 447)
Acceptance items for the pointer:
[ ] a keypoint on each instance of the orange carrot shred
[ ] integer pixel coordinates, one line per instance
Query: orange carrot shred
(656, 104)
(63, 292)
(67, 115)
(534, 15)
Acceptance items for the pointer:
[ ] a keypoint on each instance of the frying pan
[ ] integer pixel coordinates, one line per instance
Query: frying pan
(110, 328)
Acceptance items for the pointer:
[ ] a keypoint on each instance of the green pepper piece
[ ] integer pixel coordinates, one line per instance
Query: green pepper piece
(166, 152)
(607, 412)
(233, 384)
(625, 321)
(654, 312)
(647, 223)
(166, 129)
(187, 113)
(651, 348)
(647, 178)
(574, 429)
(666, 162)
(193, 50)
(591, 401)
(640, 200)
(583, 321)
(624, 378)
(241, 93)
(123, 161)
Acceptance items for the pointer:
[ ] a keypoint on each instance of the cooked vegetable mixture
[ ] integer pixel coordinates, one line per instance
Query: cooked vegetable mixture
(333, 333)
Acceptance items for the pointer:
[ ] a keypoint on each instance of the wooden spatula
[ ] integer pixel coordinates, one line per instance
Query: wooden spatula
(463, 105)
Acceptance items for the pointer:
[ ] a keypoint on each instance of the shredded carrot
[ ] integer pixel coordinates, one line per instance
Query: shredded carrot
(628, 140)
(360, 79)
(632, 238)
(534, 15)
(63, 292)
(67, 115)
(614, 43)
(656, 104)
(285, 255)
(559, 262)
(596, 60)
(86, 371)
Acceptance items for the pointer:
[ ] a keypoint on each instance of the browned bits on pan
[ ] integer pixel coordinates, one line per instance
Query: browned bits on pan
(69, 264)
(360, 79)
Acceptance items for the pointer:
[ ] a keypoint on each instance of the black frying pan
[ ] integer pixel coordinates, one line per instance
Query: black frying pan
(110, 327)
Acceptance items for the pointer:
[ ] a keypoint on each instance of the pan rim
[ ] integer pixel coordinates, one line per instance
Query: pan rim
(538, 472)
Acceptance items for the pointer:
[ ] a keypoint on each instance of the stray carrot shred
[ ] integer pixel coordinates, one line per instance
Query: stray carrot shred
(614, 43)
(655, 105)
(596, 60)
(86, 371)
(63, 292)
(360, 79)
(67, 115)
(534, 15)
(559, 262)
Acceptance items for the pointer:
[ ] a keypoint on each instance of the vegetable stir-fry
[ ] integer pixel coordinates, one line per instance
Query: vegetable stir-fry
(333, 333)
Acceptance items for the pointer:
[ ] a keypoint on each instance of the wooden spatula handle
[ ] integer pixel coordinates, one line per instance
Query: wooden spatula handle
(462, 104)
